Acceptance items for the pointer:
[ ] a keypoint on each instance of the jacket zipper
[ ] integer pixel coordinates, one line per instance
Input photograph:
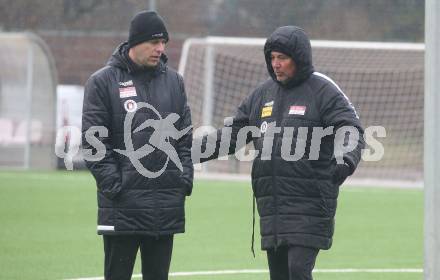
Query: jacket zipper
(279, 114)
(144, 84)
(156, 202)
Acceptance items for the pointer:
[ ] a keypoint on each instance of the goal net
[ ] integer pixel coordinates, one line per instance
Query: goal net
(384, 81)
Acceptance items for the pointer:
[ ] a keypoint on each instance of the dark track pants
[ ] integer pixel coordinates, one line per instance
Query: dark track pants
(120, 255)
(291, 263)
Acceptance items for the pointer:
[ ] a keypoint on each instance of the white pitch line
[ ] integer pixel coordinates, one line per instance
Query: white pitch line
(370, 270)
(263, 271)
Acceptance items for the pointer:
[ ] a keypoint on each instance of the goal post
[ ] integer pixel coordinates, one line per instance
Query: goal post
(432, 141)
(385, 82)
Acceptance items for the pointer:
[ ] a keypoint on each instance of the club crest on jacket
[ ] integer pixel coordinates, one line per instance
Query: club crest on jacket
(130, 106)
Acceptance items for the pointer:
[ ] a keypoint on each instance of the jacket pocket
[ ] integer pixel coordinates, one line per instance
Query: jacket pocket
(325, 187)
(173, 179)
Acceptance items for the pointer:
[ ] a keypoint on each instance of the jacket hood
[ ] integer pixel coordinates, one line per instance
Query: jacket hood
(292, 41)
(120, 59)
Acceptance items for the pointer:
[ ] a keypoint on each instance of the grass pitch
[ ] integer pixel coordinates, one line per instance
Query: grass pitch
(48, 231)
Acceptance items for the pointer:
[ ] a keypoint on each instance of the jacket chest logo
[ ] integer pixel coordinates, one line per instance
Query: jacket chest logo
(130, 106)
(127, 89)
(297, 110)
(267, 109)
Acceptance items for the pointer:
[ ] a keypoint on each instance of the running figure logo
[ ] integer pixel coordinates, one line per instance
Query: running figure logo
(164, 129)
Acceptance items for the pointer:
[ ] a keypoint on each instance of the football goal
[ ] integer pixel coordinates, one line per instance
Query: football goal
(27, 102)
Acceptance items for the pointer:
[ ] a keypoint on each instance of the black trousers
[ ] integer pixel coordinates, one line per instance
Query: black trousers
(291, 262)
(120, 255)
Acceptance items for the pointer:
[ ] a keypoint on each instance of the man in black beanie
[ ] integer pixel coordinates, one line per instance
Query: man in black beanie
(140, 200)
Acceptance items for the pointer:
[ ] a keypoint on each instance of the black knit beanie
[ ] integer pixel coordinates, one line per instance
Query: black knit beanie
(145, 26)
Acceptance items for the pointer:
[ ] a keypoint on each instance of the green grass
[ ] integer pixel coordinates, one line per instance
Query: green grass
(48, 223)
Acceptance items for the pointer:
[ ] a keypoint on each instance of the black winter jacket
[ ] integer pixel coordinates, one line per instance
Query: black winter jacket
(128, 202)
(296, 198)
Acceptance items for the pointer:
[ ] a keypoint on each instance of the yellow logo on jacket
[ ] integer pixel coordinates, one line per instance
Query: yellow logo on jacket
(266, 112)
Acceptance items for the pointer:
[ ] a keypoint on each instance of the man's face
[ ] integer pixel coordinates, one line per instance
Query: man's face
(148, 53)
(283, 66)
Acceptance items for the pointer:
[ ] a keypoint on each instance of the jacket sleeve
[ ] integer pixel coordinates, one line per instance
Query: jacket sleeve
(337, 111)
(97, 112)
(240, 120)
(184, 143)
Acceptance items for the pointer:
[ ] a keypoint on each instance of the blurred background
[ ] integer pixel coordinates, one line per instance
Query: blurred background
(81, 34)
